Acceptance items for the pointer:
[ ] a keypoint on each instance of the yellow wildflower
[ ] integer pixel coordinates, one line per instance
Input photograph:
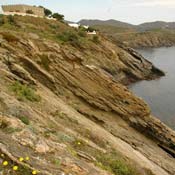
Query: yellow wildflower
(15, 168)
(79, 143)
(5, 163)
(34, 172)
(21, 159)
(27, 158)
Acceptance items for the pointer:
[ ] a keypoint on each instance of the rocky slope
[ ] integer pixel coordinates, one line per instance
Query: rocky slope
(63, 104)
(149, 39)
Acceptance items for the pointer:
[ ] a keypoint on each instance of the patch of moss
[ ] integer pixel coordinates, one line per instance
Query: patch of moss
(24, 92)
(45, 62)
(11, 20)
(10, 130)
(70, 37)
(57, 162)
(95, 39)
(2, 21)
(24, 119)
(9, 37)
(82, 34)
(72, 151)
(114, 164)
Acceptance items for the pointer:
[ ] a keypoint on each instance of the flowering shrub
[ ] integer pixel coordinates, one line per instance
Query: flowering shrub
(9, 167)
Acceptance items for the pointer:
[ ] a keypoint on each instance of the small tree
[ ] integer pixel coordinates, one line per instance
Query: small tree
(58, 16)
(95, 39)
(47, 12)
(90, 29)
(82, 28)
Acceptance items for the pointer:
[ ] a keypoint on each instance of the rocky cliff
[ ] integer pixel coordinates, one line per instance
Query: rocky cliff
(149, 39)
(157, 38)
(64, 105)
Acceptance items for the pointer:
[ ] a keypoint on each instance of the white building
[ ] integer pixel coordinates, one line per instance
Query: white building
(74, 25)
(86, 27)
(77, 26)
(92, 33)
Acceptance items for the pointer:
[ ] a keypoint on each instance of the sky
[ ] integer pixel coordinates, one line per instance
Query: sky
(132, 11)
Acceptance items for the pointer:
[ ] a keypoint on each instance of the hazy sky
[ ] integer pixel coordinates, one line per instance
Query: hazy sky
(133, 11)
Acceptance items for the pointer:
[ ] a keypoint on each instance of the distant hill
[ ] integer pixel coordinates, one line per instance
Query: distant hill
(150, 34)
(119, 24)
(156, 25)
(110, 22)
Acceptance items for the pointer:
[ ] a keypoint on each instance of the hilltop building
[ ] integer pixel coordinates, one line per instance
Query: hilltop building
(77, 26)
(74, 25)
(92, 33)
(23, 10)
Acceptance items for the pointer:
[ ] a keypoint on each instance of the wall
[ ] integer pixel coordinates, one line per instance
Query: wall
(21, 10)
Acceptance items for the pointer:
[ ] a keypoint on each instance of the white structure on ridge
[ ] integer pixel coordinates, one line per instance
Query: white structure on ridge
(23, 10)
(74, 25)
(92, 33)
(77, 26)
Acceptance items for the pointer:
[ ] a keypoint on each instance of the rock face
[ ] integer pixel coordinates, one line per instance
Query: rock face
(150, 39)
(84, 113)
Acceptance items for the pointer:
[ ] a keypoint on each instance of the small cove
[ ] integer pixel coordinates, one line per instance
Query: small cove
(159, 93)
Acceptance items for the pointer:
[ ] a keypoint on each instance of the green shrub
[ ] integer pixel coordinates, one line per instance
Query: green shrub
(24, 92)
(58, 16)
(70, 37)
(82, 33)
(10, 130)
(112, 163)
(95, 39)
(64, 137)
(45, 62)
(82, 28)
(11, 20)
(24, 119)
(22, 168)
(54, 26)
(57, 162)
(2, 21)
(9, 37)
(47, 12)
(90, 29)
